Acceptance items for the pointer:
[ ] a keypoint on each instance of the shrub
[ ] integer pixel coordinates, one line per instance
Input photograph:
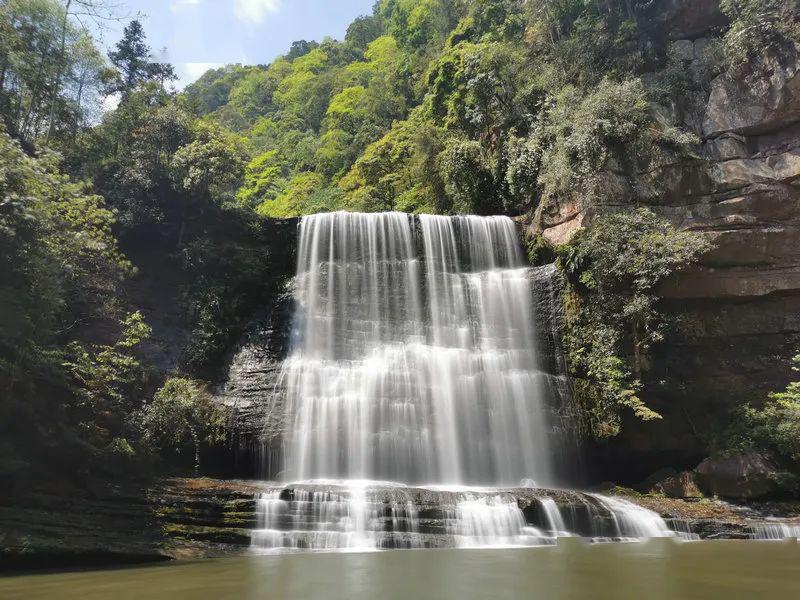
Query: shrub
(182, 412)
(614, 268)
(756, 26)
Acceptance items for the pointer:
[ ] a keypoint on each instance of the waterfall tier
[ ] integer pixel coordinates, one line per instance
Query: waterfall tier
(374, 515)
(414, 356)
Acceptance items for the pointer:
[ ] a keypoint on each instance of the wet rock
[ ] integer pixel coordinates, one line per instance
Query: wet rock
(250, 377)
(713, 529)
(117, 524)
(746, 476)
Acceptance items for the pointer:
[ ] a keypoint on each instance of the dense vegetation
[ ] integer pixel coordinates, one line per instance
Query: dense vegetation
(446, 106)
(613, 318)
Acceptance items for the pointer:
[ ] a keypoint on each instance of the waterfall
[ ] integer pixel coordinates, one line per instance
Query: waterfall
(414, 362)
(767, 530)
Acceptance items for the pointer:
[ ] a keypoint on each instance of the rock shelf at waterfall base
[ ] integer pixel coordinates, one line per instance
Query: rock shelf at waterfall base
(204, 518)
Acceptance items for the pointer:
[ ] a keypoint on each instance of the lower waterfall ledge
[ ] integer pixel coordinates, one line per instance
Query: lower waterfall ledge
(189, 518)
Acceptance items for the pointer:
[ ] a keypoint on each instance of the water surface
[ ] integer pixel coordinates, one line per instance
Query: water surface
(656, 570)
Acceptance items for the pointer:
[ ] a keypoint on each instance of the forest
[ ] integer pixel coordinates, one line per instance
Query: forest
(425, 106)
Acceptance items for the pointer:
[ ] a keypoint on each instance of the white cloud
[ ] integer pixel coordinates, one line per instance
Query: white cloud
(179, 5)
(254, 11)
(191, 71)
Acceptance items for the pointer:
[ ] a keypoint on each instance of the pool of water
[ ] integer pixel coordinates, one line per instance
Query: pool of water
(656, 569)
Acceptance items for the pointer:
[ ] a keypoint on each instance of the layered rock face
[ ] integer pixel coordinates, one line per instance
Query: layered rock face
(252, 373)
(739, 310)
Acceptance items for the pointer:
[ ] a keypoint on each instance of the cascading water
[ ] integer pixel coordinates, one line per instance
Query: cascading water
(414, 360)
(414, 364)
(767, 530)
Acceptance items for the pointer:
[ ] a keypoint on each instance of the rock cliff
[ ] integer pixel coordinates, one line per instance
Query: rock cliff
(739, 310)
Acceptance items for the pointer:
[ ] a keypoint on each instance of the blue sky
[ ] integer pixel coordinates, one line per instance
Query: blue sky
(202, 34)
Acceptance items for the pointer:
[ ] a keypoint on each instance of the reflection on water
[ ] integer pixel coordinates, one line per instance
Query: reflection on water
(657, 569)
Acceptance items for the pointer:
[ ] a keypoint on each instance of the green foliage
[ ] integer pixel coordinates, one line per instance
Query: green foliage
(774, 426)
(304, 194)
(105, 373)
(467, 178)
(46, 87)
(523, 161)
(757, 26)
(134, 63)
(539, 250)
(210, 167)
(416, 24)
(60, 269)
(402, 164)
(58, 258)
(363, 30)
(614, 268)
(595, 144)
(262, 180)
(213, 89)
(183, 412)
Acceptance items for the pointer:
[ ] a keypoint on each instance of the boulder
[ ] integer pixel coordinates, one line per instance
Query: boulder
(680, 485)
(745, 476)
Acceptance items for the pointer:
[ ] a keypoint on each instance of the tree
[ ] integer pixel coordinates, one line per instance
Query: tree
(60, 271)
(47, 66)
(92, 9)
(363, 30)
(133, 61)
(467, 178)
(300, 48)
(183, 411)
(208, 169)
(756, 26)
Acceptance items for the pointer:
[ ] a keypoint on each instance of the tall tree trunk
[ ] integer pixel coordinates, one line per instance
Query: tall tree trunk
(196, 444)
(3, 70)
(59, 69)
(637, 352)
(79, 98)
(34, 101)
(182, 230)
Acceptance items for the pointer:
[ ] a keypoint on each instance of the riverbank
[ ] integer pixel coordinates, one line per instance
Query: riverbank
(193, 518)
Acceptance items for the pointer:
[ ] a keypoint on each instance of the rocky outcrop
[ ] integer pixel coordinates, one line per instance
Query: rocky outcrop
(250, 378)
(251, 388)
(763, 102)
(116, 524)
(746, 476)
(736, 313)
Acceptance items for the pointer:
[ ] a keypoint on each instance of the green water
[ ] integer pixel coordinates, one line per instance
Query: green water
(654, 570)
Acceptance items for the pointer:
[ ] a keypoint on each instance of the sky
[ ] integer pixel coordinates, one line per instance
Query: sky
(202, 34)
